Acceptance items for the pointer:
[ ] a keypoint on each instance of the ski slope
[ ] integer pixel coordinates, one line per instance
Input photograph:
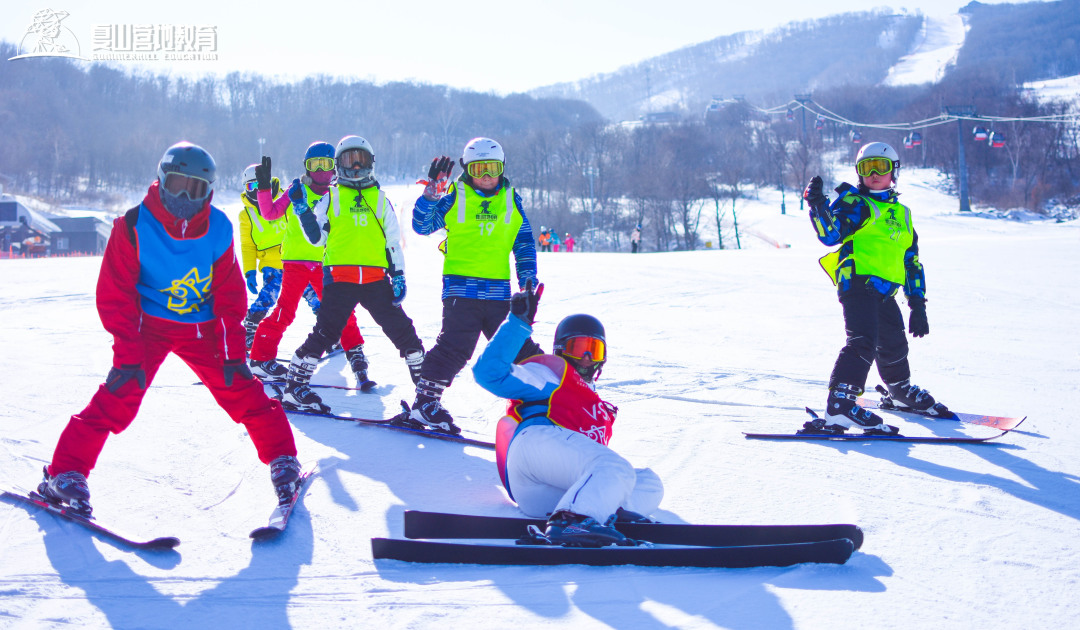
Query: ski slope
(704, 345)
(935, 50)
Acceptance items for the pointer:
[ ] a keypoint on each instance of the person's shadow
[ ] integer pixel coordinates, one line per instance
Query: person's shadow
(130, 600)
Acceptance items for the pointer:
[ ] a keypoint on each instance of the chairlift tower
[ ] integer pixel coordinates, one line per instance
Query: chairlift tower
(961, 112)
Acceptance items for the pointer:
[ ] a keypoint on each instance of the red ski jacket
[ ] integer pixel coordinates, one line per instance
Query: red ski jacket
(118, 299)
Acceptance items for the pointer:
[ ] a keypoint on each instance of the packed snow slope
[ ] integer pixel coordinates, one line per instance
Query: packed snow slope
(704, 345)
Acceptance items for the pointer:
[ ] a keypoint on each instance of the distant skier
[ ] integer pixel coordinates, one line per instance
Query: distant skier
(484, 224)
(635, 239)
(551, 447)
(170, 283)
(569, 241)
(878, 254)
(544, 240)
(260, 250)
(302, 263)
(362, 264)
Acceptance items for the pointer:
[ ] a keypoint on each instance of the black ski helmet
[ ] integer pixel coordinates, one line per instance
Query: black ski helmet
(189, 160)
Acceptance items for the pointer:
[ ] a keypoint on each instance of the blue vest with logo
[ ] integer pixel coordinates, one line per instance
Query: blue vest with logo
(175, 274)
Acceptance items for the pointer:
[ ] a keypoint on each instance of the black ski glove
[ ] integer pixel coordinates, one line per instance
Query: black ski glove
(118, 376)
(234, 368)
(524, 303)
(814, 195)
(440, 169)
(262, 173)
(917, 324)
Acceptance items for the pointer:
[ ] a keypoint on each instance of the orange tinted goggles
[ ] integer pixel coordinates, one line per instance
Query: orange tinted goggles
(578, 347)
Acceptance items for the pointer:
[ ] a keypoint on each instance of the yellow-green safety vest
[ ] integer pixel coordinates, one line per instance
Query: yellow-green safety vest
(356, 235)
(480, 234)
(265, 234)
(295, 246)
(879, 245)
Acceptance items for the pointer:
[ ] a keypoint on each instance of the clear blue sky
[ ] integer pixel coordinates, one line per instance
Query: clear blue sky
(502, 46)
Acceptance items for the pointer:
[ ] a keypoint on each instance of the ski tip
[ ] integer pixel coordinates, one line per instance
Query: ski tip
(367, 386)
(161, 544)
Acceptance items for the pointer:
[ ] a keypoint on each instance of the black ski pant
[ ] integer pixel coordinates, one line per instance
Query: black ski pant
(463, 320)
(875, 332)
(338, 301)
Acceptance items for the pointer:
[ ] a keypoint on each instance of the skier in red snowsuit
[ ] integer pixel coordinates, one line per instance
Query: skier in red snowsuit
(170, 282)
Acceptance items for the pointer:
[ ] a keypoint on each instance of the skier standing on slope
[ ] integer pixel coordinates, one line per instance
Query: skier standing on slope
(362, 263)
(484, 222)
(170, 282)
(260, 250)
(551, 447)
(302, 264)
(878, 254)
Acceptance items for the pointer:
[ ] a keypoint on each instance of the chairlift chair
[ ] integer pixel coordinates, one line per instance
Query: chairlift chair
(980, 133)
(856, 136)
(819, 124)
(997, 140)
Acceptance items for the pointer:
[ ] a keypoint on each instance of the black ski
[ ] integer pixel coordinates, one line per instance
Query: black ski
(280, 516)
(440, 525)
(386, 424)
(36, 500)
(827, 551)
(862, 437)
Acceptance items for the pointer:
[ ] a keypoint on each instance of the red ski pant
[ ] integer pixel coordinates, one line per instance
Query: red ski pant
(200, 347)
(294, 280)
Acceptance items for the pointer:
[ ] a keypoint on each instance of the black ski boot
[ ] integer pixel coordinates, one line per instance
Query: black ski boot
(284, 474)
(68, 489)
(428, 409)
(297, 395)
(358, 363)
(576, 530)
(251, 324)
(904, 396)
(268, 370)
(841, 413)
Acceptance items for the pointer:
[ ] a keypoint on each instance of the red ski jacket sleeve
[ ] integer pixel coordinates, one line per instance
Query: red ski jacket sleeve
(117, 299)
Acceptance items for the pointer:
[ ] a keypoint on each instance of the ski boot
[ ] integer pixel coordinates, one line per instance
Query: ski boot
(430, 412)
(576, 530)
(358, 363)
(841, 413)
(415, 360)
(285, 473)
(297, 395)
(904, 396)
(268, 370)
(67, 489)
(626, 516)
(251, 324)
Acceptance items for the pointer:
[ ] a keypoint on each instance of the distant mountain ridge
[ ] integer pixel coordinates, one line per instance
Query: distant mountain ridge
(1018, 42)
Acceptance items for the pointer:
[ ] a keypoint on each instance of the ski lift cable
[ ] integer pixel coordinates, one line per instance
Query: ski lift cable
(941, 119)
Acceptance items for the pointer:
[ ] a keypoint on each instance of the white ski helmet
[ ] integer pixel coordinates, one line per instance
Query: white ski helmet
(356, 172)
(482, 149)
(249, 174)
(880, 150)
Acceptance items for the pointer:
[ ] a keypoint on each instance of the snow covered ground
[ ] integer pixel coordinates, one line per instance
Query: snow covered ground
(938, 44)
(704, 345)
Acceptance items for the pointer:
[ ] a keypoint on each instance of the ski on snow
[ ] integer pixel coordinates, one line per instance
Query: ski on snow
(448, 526)
(279, 518)
(388, 424)
(861, 437)
(426, 551)
(33, 499)
(996, 422)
